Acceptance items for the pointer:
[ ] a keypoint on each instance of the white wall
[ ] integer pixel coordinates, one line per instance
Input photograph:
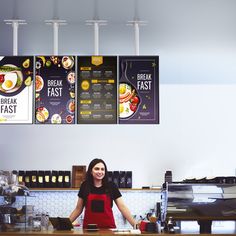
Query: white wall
(196, 137)
(196, 42)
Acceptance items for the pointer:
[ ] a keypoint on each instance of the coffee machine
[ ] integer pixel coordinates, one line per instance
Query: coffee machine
(9, 189)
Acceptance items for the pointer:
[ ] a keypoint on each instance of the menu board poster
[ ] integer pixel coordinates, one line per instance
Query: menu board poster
(97, 90)
(16, 89)
(139, 90)
(55, 89)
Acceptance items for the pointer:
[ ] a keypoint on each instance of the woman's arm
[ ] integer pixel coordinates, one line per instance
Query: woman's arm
(78, 210)
(125, 211)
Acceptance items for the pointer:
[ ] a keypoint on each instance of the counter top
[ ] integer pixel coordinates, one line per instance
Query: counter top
(155, 189)
(97, 233)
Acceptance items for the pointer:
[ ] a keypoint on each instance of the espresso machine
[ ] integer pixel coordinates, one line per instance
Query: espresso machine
(9, 191)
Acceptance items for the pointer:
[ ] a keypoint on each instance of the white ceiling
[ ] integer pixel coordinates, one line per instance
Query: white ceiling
(120, 11)
(116, 11)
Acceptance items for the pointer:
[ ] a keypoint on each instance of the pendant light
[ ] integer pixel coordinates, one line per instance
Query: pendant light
(136, 23)
(15, 26)
(55, 22)
(15, 22)
(96, 23)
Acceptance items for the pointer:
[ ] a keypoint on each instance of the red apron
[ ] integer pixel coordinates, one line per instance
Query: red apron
(98, 211)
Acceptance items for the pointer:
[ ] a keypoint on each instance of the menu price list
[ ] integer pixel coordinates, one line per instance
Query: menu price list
(56, 79)
(97, 90)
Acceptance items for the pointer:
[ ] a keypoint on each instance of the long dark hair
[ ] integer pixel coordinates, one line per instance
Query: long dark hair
(89, 178)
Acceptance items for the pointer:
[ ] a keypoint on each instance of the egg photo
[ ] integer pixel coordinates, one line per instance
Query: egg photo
(128, 100)
(39, 83)
(125, 110)
(67, 62)
(125, 90)
(10, 80)
(56, 119)
(42, 114)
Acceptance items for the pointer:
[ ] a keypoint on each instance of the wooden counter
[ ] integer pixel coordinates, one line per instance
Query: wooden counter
(97, 233)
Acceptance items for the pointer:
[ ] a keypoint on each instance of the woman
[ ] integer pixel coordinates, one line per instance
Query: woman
(97, 195)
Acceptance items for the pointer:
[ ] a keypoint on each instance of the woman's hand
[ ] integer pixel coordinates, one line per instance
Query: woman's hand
(77, 211)
(137, 224)
(125, 211)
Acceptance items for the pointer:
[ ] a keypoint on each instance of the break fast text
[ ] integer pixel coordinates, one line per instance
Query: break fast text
(144, 81)
(8, 105)
(55, 88)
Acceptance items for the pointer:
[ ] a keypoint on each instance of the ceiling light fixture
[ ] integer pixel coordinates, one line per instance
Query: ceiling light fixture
(96, 24)
(136, 24)
(55, 23)
(15, 25)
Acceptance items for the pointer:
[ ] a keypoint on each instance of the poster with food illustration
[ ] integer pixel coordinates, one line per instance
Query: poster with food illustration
(139, 90)
(55, 89)
(16, 89)
(97, 90)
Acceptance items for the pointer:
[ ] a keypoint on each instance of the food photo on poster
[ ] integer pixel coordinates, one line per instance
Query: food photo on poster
(139, 90)
(16, 89)
(97, 90)
(55, 89)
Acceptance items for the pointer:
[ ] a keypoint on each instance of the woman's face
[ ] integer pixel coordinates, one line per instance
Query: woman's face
(98, 171)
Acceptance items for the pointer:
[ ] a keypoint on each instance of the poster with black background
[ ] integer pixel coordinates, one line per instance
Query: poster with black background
(16, 89)
(97, 90)
(55, 90)
(139, 90)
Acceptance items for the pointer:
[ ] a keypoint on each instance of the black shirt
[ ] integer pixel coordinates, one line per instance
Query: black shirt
(114, 191)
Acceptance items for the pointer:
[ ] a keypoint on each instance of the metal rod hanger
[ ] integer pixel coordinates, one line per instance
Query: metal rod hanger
(55, 23)
(96, 24)
(136, 24)
(15, 26)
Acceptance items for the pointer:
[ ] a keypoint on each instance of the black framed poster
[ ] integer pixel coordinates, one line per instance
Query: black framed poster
(139, 90)
(55, 89)
(97, 90)
(16, 89)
